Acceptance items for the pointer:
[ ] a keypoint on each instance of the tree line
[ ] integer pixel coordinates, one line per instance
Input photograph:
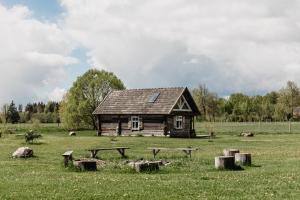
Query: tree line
(281, 105)
(38, 111)
(76, 108)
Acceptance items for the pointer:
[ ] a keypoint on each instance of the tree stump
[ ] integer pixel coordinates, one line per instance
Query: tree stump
(85, 165)
(243, 158)
(230, 152)
(143, 166)
(224, 162)
(72, 133)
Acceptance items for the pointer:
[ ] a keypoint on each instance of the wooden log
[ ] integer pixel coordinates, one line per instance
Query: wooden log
(224, 162)
(230, 152)
(243, 158)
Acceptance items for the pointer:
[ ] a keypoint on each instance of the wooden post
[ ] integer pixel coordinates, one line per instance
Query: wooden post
(165, 126)
(119, 126)
(193, 122)
(99, 126)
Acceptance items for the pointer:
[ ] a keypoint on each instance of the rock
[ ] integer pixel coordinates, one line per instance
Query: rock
(72, 133)
(230, 152)
(247, 134)
(224, 162)
(243, 158)
(23, 152)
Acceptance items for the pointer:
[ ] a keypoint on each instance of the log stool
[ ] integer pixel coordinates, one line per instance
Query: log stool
(224, 162)
(86, 165)
(230, 152)
(243, 158)
(147, 166)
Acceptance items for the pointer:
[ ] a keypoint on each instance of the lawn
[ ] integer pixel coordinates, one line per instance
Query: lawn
(274, 175)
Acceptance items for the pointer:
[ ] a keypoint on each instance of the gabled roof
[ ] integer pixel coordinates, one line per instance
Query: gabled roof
(144, 101)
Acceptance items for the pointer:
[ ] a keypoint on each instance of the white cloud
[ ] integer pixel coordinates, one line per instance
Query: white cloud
(33, 56)
(236, 45)
(57, 94)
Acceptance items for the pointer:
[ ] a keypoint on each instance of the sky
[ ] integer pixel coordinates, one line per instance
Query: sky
(231, 46)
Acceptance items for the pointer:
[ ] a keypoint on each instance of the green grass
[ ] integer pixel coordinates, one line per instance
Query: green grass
(275, 174)
(254, 127)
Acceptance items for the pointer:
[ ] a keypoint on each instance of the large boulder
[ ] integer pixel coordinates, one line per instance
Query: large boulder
(23, 152)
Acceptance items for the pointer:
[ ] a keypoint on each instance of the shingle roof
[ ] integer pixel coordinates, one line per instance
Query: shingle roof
(136, 101)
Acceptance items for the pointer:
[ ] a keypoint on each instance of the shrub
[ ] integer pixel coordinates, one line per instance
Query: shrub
(6, 130)
(35, 124)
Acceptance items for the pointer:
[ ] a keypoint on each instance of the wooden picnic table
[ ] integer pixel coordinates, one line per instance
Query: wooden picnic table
(121, 150)
(187, 151)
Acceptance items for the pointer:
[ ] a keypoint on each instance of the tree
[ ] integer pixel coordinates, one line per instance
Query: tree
(20, 108)
(5, 113)
(12, 113)
(206, 101)
(84, 96)
(289, 98)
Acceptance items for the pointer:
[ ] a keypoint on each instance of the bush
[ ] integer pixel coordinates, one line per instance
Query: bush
(35, 124)
(6, 130)
(30, 136)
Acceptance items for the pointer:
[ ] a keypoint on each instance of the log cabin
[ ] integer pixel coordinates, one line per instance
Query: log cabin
(153, 111)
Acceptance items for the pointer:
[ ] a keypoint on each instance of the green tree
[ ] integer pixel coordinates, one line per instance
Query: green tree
(84, 96)
(289, 98)
(13, 114)
(207, 102)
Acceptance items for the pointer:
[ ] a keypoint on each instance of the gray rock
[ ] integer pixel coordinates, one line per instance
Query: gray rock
(23, 152)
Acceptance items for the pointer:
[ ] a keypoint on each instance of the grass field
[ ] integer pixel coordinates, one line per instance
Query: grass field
(274, 175)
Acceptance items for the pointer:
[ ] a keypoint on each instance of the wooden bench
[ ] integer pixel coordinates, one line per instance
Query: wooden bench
(67, 157)
(121, 150)
(187, 151)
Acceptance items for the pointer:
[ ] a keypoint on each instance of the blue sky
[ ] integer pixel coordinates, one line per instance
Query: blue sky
(230, 46)
(42, 9)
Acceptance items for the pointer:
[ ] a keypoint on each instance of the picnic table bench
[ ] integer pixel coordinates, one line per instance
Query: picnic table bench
(121, 150)
(187, 151)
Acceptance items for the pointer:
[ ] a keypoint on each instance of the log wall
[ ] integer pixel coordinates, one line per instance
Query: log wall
(149, 125)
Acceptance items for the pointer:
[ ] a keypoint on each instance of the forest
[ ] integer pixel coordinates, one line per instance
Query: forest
(281, 105)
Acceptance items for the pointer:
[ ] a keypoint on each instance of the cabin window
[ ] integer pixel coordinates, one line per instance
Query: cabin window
(135, 123)
(178, 122)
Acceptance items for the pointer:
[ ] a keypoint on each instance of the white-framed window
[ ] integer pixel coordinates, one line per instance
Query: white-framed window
(135, 123)
(178, 122)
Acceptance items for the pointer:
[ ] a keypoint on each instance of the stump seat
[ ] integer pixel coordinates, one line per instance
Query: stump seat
(230, 152)
(143, 166)
(85, 165)
(224, 162)
(243, 159)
